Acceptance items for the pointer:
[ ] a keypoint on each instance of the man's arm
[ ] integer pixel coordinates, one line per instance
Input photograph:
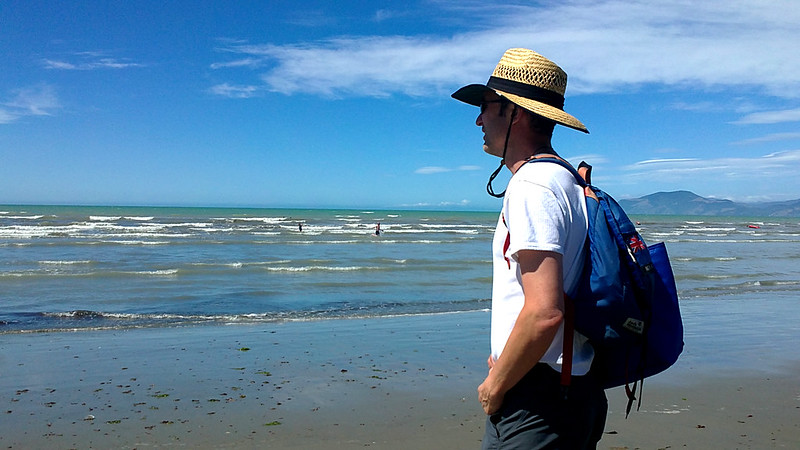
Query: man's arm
(534, 330)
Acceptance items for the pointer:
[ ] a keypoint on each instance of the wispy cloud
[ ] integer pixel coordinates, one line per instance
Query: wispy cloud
(431, 170)
(775, 137)
(231, 91)
(6, 116)
(770, 117)
(605, 46)
(245, 62)
(761, 170)
(88, 61)
(383, 15)
(371, 66)
(665, 161)
(311, 18)
(461, 203)
(30, 101)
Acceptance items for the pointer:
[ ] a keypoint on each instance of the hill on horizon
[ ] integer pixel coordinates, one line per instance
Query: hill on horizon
(686, 203)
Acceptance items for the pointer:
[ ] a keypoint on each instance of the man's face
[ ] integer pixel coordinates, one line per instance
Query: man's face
(494, 124)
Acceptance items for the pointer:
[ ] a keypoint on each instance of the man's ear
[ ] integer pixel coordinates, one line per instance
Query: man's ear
(517, 114)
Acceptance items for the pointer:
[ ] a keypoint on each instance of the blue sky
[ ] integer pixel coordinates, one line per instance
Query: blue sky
(347, 103)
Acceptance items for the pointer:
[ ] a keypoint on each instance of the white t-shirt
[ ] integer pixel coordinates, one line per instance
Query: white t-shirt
(544, 209)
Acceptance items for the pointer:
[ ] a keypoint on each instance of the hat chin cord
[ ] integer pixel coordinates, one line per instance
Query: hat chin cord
(494, 174)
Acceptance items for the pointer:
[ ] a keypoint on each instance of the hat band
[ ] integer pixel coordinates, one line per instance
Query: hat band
(528, 91)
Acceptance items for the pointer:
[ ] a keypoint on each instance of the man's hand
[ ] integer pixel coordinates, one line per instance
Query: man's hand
(490, 406)
(491, 402)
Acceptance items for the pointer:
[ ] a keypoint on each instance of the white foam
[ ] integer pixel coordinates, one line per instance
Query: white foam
(431, 225)
(435, 230)
(318, 268)
(185, 225)
(666, 233)
(24, 217)
(143, 218)
(268, 220)
(64, 263)
(105, 218)
(130, 242)
(709, 229)
(163, 272)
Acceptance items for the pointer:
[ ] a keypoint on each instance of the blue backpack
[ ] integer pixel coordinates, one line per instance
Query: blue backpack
(626, 302)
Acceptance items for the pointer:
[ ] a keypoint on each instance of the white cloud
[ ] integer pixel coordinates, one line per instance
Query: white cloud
(50, 64)
(700, 106)
(30, 101)
(7, 116)
(311, 18)
(770, 138)
(89, 64)
(665, 161)
(763, 169)
(605, 46)
(430, 170)
(384, 14)
(230, 91)
(770, 117)
(591, 158)
(462, 203)
(246, 62)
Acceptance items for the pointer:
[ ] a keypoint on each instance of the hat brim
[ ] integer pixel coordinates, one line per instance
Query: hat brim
(474, 94)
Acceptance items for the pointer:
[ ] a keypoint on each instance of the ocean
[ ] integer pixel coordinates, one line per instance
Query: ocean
(66, 268)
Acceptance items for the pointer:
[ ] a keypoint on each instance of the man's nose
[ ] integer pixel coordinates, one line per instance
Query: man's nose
(479, 120)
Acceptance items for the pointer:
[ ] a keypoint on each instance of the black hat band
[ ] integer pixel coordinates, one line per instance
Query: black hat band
(528, 91)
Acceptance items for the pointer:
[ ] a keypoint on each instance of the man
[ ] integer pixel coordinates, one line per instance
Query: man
(538, 252)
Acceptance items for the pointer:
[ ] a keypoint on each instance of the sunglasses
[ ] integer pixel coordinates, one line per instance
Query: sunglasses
(485, 104)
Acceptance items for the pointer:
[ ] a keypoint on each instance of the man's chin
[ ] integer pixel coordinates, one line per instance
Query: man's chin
(489, 151)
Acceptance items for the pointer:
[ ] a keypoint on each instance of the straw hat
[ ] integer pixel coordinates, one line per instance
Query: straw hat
(531, 81)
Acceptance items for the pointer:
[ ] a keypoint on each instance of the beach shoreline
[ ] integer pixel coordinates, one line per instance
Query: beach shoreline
(400, 382)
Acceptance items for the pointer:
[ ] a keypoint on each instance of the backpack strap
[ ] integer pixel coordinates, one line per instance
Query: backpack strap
(549, 157)
(583, 175)
(585, 171)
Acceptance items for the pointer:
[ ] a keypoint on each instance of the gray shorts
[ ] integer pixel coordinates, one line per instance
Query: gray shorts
(537, 415)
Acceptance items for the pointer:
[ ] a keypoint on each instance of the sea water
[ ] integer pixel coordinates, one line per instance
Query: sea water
(93, 268)
(103, 267)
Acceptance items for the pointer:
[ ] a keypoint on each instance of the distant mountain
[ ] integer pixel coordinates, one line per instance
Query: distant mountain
(687, 203)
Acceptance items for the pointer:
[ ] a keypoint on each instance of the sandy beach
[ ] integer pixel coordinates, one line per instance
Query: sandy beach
(391, 383)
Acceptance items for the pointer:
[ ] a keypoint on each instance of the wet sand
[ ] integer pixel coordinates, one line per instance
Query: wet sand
(394, 383)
